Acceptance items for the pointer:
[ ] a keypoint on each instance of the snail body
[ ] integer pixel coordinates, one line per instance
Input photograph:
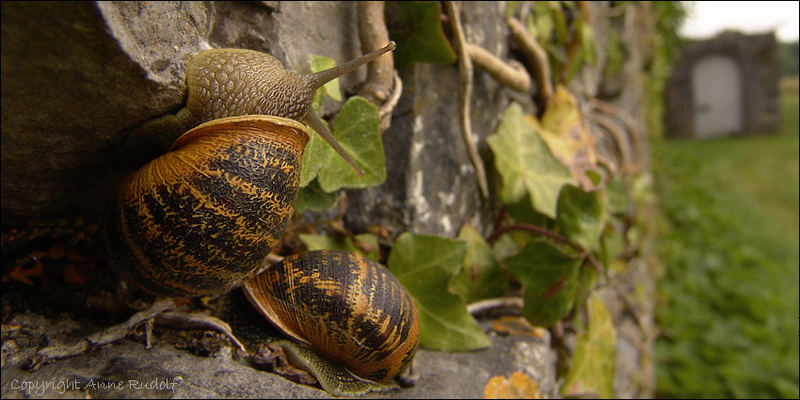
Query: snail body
(345, 306)
(201, 218)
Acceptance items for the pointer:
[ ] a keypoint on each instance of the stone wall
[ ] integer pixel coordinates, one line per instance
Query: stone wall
(756, 56)
(76, 77)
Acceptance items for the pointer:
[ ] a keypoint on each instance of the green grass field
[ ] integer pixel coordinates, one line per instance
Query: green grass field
(728, 297)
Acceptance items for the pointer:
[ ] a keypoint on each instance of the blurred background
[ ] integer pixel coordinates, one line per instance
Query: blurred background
(726, 175)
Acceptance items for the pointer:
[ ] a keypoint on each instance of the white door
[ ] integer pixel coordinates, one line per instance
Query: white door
(716, 82)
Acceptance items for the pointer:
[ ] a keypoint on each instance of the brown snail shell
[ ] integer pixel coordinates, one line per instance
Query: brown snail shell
(203, 217)
(344, 305)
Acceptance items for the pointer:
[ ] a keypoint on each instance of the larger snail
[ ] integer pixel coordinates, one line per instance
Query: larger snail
(203, 217)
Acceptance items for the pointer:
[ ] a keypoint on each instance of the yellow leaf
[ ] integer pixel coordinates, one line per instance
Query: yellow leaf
(518, 386)
(563, 129)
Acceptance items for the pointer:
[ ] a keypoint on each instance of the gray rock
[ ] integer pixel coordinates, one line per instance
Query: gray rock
(77, 78)
(124, 369)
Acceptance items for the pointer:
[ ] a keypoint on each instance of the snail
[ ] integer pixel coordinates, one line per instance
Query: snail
(345, 306)
(203, 217)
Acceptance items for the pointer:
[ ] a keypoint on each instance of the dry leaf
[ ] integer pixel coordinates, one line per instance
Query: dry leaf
(518, 386)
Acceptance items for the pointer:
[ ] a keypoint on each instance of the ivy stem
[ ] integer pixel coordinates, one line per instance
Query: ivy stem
(465, 96)
(552, 235)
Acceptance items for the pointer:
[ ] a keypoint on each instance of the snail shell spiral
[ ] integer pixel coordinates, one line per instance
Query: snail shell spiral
(344, 305)
(203, 217)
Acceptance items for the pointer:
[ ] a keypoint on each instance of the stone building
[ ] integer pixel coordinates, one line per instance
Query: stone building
(726, 85)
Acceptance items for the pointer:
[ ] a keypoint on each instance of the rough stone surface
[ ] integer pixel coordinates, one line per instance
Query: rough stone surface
(431, 186)
(756, 56)
(77, 77)
(440, 375)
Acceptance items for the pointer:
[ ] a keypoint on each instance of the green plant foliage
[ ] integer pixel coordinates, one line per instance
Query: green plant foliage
(582, 215)
(324, 242)
(313, 198)
(481, 276)
(550, 278)
(332, 89)
(669, 16)
(586, 53)
(421, 38)
(425, 265)
(315, 156)
(356, 129)
(615, 53)
(525, 163)
(594, 360)
(729, 294)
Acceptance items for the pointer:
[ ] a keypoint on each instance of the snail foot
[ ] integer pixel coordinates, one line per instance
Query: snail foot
(109, 335)
(272, 358)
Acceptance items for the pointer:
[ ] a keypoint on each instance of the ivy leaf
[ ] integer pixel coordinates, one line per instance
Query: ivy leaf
(421, 38)
(568, 137)
(424, 265)
(326, 242)
(550, 278)
(594, 361)
(481, 276)
(315, 156)
(582, 215)
(518, 386)
(312, 197)
(356, 129)
(331, 88)
(525, 163)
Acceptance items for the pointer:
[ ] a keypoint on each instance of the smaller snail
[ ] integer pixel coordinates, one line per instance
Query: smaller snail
(343, 305)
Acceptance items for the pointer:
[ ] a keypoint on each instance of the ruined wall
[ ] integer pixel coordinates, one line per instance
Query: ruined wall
(756, 56)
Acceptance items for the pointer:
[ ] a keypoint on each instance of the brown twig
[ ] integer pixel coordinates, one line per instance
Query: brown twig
(630, 126)
(387, 108)
(380, 73)
(607, 124)
(465, 95)
(106, 336)
(478, 307)
(537, 57)
(183, 320)
(511, 74)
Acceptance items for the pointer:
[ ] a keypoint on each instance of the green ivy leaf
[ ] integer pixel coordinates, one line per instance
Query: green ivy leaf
(315, 156)
(582, 215)
(550, 279)
(425, 265)
(331, 88)
(481, 276)
(526, 164)
(326, 242)
(356, 129)
(312, 197)
(421, 38)
(594, 361)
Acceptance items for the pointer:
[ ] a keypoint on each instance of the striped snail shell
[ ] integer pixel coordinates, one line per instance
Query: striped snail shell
(343, 305)
(201, 218)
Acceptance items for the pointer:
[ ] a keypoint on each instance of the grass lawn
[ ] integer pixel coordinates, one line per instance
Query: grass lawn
(728, 298)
